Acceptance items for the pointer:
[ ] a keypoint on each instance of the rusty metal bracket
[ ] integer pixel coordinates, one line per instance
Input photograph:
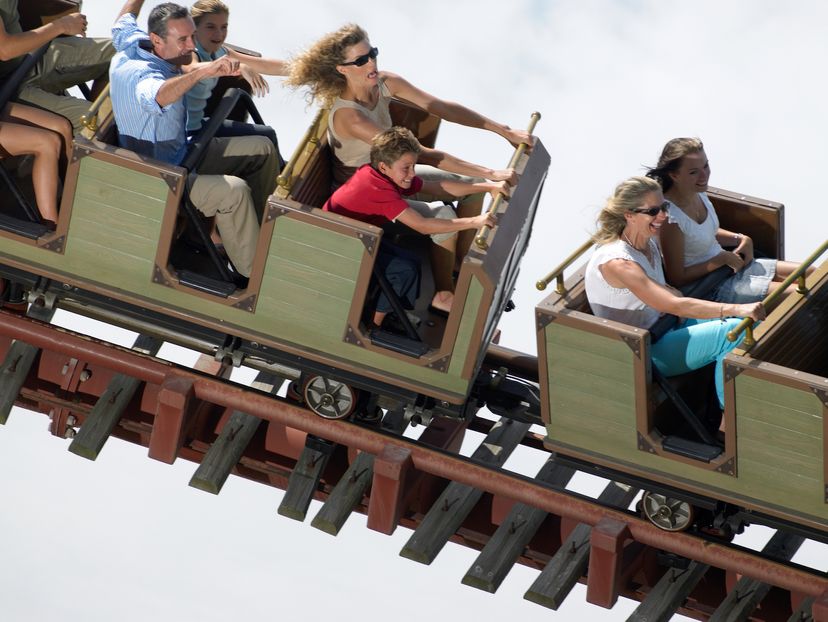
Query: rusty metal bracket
(644, 444)
(247, 304)
(822, 395)
(440, 365)
(274, 211)
(159, 277)
(542, 320)
(57, 245)
(352, 336)
(370, 241)
(171, 180)
(78, 152)
(731, 371)
(633, 344)
(728, 467)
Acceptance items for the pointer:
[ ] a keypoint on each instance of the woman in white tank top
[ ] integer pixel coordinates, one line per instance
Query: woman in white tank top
(340, 72)
(625, 282)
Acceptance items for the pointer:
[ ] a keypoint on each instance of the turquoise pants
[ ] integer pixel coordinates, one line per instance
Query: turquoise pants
(694, 344)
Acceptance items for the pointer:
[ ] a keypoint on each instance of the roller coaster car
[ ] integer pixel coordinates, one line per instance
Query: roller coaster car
(116, 243)
(601, 407)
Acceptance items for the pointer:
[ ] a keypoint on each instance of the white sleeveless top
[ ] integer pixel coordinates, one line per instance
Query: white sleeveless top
(700, 242)
(351, 153)
(621, 305)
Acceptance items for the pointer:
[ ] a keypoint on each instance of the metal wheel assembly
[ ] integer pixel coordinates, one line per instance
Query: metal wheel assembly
(667, 513)
(329, 398)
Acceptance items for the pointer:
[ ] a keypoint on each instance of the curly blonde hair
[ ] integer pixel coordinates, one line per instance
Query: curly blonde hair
(628, 195)
(315, 68)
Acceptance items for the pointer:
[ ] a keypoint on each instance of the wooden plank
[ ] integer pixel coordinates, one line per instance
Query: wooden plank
(17, 364)
(669, 594)
(345, 496)
(748, 593)
(513, 535)
(107, 411)
(569, 563)
(304, 479)
(226, 451)
(804, 612)
(350, 489)
(457, 500)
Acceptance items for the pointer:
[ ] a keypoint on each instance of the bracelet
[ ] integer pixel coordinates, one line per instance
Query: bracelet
(737, 238)
(721, 314)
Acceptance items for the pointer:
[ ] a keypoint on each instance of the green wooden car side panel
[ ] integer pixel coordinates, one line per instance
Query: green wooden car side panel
(306, 291)
(779, 435)
(590, 389)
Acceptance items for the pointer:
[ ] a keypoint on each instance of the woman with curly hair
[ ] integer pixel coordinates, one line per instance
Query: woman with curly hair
(340, 72)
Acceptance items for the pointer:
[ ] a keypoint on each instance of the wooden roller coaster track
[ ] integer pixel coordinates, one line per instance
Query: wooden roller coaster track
(93, 390)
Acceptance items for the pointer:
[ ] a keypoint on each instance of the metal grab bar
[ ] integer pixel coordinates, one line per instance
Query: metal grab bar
(798, 275)
(482, 236)
(310, 138)
(557, 273)
(90, 119)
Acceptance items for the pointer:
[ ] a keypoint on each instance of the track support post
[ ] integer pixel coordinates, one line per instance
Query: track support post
(392, 468)
(606, 554)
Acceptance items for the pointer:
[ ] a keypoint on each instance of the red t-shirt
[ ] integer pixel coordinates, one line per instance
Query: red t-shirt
(371, 197)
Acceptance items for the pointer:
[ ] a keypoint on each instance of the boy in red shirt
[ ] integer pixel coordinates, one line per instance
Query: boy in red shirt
(375, 194)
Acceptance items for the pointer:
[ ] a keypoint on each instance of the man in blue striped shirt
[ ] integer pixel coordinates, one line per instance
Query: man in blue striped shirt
(148, 86)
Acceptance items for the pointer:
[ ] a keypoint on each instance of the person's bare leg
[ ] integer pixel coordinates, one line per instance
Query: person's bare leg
(467, 207)
(36, 117)
(442, 263)
(45, 147)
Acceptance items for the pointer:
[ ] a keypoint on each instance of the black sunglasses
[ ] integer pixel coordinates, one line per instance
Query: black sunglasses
(652, 211)
(359, 61)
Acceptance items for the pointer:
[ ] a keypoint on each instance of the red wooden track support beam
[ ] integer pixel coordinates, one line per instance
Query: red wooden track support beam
(391, 472)
(174, 402)
(606, 553)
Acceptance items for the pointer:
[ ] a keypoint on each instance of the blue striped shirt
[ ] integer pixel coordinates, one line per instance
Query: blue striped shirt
(135, 76)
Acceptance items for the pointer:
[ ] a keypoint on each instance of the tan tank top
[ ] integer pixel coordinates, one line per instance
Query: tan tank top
(351, 153)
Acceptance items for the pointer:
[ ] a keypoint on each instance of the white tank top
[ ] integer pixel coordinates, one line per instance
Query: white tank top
(700, 242)
(351, 153)
(621, 305)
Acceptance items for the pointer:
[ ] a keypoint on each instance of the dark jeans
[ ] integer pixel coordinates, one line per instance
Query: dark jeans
(402, 269)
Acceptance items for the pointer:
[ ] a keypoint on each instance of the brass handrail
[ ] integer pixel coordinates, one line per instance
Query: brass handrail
(310, 138)
(557, 273)
(90, 119)
(482, 236)
(798, 275)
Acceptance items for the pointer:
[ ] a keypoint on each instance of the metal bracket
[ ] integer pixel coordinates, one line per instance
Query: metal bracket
(78, 152)
(542, 320)
(644, 444)
(731, 371)
(822, 395)
(370, 242)
(57, 245)
(352, 336)
(229, 352)
(728, 468)
(440, 365)
(633, 344)
(274, 211)
(247, 304)
(159, 277)
(171, 180)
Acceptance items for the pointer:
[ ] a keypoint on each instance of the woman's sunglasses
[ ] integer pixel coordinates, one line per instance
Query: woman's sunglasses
(359, 61)
(652, 211)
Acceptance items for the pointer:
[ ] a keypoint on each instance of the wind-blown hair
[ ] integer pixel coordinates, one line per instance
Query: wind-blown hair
(628, 195)
(392, 144)
(671, 157)
(160, 16)
(315, 68)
